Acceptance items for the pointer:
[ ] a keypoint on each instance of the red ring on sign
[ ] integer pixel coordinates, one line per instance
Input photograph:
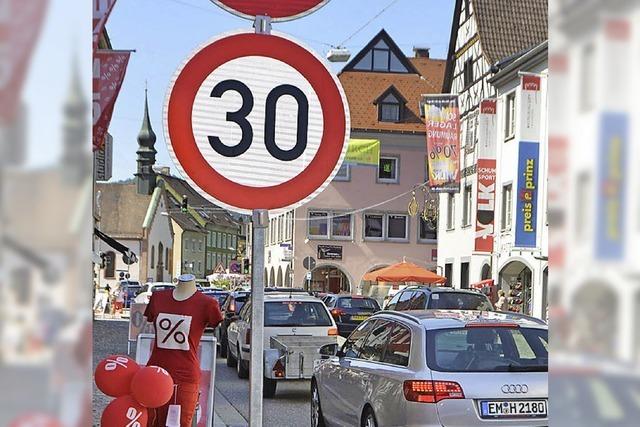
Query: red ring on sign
(277, 10)
(179, 121)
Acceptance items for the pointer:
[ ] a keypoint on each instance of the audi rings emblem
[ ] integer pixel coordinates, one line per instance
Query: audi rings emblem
(515, 388)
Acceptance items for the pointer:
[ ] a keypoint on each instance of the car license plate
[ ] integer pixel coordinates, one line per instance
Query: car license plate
(359, 317)
(513, 408)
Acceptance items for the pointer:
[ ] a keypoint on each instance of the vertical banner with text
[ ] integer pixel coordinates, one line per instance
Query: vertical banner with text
(101, 11)
(442, 117)
(109, 67)
(528, 162)
(486, 172)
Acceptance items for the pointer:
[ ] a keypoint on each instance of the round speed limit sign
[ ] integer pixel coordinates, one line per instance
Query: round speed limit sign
(256, 121)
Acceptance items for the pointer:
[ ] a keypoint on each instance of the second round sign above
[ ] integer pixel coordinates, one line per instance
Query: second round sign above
(256, 121)
(277, 10)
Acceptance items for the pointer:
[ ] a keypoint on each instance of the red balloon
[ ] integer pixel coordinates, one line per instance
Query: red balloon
(114, 374)
(152, 386)
(124, 411)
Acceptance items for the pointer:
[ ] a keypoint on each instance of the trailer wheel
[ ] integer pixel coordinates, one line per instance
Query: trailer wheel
(269, 387)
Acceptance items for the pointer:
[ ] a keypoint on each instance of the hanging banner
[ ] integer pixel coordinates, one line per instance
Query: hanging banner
(101, 11)
(364, 152)
(20, 23)
(528, 162)
(612, 154)
(442, 117)
(486, 173)
(527, 195)
(109, 67)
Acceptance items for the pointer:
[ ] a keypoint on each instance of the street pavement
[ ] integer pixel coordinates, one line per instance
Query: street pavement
(289, 408)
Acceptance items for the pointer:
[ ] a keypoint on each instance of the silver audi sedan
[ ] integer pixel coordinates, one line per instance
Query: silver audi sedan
(435, 368)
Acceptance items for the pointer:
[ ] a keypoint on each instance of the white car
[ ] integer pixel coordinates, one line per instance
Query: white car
(285, 315)
(145, 294)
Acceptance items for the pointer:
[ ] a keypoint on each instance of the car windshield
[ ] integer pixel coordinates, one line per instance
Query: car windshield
(358, 303)
(488, 349)
(459, 301)
(296, 313)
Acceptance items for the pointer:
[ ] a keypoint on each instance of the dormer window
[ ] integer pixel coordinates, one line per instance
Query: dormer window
(381, 55)
(391, 105)
(389, 109)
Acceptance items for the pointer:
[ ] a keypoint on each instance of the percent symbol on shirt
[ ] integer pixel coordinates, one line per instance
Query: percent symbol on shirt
(112, 364)
(167, 325)
(133, 416)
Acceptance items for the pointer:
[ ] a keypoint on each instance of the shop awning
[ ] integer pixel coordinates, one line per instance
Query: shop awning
(482, 283)
(404, 272)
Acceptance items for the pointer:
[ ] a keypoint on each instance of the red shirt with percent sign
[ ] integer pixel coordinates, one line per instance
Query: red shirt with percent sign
(179, 326)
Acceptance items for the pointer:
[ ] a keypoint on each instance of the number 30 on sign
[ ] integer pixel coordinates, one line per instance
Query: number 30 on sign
(256, 121)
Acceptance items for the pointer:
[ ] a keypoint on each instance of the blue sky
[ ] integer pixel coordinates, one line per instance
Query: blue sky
(164, 32)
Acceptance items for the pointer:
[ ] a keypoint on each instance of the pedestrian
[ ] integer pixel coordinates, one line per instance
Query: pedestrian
(502, 300)
(119, 299)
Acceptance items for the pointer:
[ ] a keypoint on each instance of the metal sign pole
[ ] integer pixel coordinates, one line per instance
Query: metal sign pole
(256, 375)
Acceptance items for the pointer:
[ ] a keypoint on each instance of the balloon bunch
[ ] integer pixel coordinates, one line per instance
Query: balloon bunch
(135, 388)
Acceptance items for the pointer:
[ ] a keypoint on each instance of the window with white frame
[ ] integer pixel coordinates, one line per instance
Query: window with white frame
(506, 207)
(234, 241)
(388, 169)
(398, 227)
(341, 227)
(466, 206)
(451, 211)
(280, 228)
(510, 115)
(318, 225)
(373, 226)
(344, 173)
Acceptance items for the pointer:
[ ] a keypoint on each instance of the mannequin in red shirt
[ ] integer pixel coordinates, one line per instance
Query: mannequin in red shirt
(180, 317)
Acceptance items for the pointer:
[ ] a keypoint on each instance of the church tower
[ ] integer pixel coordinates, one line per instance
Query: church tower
(76, 160)
(146, 177)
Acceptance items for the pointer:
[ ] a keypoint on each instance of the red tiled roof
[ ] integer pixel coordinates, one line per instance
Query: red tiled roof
(363, 88)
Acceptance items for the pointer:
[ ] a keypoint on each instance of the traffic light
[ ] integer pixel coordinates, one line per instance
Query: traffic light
(184, 206)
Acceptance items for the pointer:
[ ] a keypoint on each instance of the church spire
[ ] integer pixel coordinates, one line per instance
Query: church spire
(145, 176)
(75, 160)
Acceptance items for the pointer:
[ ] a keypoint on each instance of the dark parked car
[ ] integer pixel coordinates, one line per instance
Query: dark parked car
(350, 310)
(220, 295)
(423, 297)
(230, 309)
(130, 288)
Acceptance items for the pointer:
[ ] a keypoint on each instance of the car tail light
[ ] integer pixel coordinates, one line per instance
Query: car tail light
(337, 312)
(247, 336)
(332, 331)
(431, 391)
(278, 369)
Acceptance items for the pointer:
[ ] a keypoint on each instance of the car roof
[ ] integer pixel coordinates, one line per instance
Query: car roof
(286, 296)
(442, 319)
(441, 289)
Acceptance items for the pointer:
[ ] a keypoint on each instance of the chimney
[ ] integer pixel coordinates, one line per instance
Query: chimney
(421, 51)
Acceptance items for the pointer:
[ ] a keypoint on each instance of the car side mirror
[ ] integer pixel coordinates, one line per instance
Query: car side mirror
(328, 350)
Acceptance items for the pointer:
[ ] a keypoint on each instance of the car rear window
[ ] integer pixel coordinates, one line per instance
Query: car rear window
(488, 349)
(459, 301)
(296, 313)
(358, 303)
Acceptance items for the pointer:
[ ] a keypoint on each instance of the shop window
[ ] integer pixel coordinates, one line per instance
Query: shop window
(318, 225)
(373, 226)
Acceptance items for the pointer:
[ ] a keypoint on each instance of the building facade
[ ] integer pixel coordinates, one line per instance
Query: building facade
(484, 34)
(346, 232)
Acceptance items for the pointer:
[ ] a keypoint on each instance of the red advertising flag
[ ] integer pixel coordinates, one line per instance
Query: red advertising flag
(109, 67)
(442, 117)
(101, 11)
(486, 173)
(20, 23)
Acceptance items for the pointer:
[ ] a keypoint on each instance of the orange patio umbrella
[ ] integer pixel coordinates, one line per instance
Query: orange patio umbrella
(404, 272)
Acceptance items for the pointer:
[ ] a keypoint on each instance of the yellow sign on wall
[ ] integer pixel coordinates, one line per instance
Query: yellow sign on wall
(363, 152)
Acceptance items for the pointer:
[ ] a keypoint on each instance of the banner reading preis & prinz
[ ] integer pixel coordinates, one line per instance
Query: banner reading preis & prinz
(528, 162)
(442, 117)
